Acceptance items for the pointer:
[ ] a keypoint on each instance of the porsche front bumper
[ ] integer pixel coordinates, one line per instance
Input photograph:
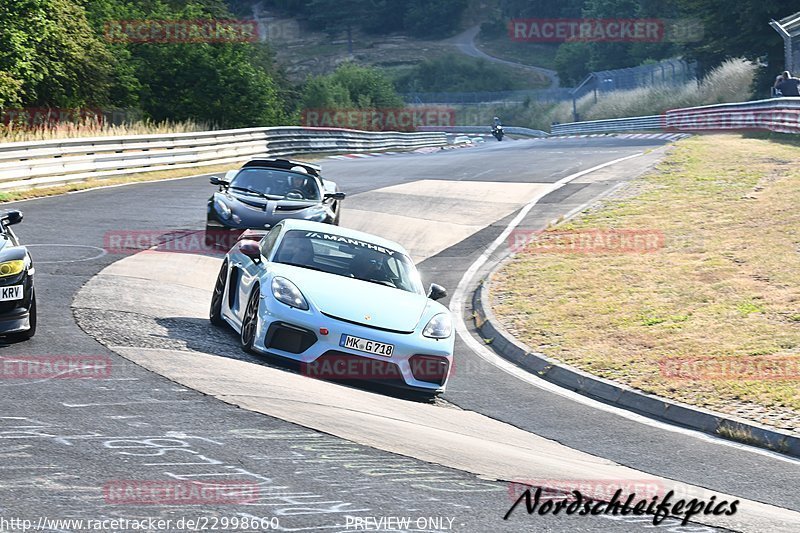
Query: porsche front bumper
(316, 341)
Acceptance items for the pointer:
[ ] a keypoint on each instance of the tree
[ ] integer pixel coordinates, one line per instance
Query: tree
(351, 86)
(426, 18)
(572, 62)
(224, 84)
(336, 16)
(50, 56)
(736, 29)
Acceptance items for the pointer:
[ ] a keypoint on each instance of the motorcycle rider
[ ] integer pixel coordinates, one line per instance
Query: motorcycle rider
(497, 129)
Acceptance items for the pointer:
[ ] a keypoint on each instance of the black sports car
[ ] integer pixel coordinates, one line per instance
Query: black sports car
(265, 191)
(17, 298)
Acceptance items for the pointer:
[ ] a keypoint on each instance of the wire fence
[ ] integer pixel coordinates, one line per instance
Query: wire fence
(669, 72)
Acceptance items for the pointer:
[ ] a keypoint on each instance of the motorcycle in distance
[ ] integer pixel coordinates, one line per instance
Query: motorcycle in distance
(498, 132)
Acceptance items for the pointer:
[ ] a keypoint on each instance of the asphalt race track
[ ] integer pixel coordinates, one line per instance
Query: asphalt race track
(64, 440)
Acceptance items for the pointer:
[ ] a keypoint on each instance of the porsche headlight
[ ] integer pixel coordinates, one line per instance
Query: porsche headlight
(223, 210)
(287, 292)
(439, 327)
(11, 268)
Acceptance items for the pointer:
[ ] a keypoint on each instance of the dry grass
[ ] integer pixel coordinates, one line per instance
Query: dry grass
(725, 284)
(730, 82)
(67, 130)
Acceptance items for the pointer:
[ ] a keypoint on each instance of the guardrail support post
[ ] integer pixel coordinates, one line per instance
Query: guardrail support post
(787, 45)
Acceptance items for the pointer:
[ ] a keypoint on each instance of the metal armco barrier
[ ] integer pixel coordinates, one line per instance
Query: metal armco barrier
(776, 114)
(652, 122)
(485, 130)
(46, 163)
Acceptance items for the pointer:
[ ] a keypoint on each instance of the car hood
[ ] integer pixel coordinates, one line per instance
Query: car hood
(353, 300)
(269, 205)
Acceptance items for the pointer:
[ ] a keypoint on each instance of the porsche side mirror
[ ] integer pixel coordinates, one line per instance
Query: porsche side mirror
(9, 218)
(216, 180)
(251, 249)
(336, 195)
(436, 292)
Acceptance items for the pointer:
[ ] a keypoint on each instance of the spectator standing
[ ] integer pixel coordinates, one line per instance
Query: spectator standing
(788, 86)
(775, 91)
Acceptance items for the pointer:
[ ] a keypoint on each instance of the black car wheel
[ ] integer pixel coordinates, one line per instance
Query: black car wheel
(209, 239)
(250, 320)
(25, 335)
(215, 314)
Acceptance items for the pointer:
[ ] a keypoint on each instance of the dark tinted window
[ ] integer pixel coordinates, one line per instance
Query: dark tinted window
(276, 184)
(350, 258)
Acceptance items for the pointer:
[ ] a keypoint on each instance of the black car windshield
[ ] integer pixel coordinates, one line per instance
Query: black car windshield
(349, 257)
(276, 184)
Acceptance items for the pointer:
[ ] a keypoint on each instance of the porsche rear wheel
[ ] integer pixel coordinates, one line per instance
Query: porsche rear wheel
(215, 314)
(250, 320)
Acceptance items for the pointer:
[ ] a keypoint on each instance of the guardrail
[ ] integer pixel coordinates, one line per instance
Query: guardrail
(57, 162)
(775, 114)
(484, 130)
(651, 122)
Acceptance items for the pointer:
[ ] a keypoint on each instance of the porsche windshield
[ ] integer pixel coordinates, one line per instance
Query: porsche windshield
(276, 184)
(352, 258)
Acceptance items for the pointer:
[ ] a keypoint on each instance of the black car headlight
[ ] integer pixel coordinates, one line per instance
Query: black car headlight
(11, 268)
(223, 210)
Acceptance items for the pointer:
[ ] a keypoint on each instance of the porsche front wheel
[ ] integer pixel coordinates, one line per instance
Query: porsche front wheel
(215, 314)
(250, 320)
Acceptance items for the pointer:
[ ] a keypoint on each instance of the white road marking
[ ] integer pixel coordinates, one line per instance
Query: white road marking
(101, 253)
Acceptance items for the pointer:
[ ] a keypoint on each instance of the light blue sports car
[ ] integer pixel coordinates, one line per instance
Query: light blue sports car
(346, 305)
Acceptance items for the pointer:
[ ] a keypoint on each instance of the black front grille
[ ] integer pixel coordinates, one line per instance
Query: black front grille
(429, 368)
(291, 207)
(289, 338)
